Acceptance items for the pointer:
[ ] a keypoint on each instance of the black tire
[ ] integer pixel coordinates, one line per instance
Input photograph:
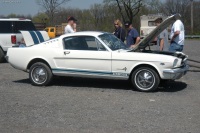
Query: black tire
(145, 79)
(2, 58)
(40, 74)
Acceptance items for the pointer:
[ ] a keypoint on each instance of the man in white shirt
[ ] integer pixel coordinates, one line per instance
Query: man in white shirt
(71, 25)
(177, 37)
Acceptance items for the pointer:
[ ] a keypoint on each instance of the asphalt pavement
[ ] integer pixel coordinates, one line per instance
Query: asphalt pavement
(74, 105)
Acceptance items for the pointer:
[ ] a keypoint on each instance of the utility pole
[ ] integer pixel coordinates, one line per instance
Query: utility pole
(192, 26)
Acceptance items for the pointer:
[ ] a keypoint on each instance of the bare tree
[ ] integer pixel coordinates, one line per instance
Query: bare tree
(51, 7)
(97, 11)
(175, 6)
(128, 7)
(153, 6)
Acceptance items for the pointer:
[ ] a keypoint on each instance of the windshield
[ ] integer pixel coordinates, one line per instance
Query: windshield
(113, 42)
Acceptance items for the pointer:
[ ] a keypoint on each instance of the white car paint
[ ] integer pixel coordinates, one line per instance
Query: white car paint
(97, 54)
(108, 64)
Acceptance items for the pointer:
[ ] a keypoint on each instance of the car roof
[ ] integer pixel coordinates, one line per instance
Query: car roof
(85, 33)
(14, 19)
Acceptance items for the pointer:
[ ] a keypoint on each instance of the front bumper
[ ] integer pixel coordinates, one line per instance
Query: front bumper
(176, 73)
(6, 57)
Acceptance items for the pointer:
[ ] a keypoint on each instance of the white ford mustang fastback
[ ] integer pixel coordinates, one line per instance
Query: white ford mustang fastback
(97, 54)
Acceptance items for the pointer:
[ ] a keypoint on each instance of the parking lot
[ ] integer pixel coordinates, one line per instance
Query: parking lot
(94, 105)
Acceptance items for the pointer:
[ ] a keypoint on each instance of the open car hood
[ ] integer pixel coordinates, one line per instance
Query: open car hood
(145, 42)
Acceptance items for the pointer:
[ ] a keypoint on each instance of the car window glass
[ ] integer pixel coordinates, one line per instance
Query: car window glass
(81, 43)
(113, 42)
(23, 25)
(52, 30)
(151, 23)
(100, 46)
(6, 27)
(91, 43)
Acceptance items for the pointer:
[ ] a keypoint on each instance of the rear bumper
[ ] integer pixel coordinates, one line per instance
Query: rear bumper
(176, 73)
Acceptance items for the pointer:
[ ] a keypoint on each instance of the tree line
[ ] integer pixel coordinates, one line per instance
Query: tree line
(100, 17)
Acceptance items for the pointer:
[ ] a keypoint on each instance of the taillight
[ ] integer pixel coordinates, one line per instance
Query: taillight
(13, 39)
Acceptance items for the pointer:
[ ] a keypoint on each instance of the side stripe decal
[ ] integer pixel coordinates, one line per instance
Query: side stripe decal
(40, 36)
(34, 36)
(83, 71)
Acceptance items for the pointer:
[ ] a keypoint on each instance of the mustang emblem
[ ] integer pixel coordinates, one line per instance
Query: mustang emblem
(123, 69)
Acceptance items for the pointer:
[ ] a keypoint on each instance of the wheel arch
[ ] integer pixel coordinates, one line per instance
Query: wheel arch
(37, 60)
(145, 65)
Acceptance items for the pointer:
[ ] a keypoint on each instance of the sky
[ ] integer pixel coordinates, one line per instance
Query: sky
(26, 7)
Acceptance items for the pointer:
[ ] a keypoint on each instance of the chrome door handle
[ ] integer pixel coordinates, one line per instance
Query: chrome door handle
(67, 52)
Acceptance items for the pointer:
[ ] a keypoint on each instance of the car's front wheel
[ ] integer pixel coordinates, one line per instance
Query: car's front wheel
(145, 79)
(40, 74)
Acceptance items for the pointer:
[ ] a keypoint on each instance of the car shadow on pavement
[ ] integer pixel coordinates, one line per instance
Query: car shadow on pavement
(172, 86)
(92, 82)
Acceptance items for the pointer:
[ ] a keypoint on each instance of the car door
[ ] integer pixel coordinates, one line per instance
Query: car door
(85, 55)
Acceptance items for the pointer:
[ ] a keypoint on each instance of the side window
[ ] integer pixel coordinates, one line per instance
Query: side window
(151, 23)
(75, 43)
(91, 42)
(52, 30)
(100, 46)
(23, 25)
(82, 43)
(6, 27)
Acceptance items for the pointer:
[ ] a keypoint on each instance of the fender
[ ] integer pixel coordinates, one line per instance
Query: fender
(147, 63)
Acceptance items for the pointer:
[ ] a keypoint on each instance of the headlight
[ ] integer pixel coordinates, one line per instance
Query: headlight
(175, 62)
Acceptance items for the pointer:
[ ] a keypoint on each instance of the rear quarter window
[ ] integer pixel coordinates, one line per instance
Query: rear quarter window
(23, 25)
(6, 27)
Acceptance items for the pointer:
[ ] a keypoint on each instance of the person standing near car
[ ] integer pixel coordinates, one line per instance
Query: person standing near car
(162, 38)
(132, 38)
(71, 25)
(119, 31)
(177, 36)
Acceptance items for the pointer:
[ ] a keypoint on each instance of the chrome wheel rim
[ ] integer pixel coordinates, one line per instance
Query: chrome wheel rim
(39, 75)
(144, 79)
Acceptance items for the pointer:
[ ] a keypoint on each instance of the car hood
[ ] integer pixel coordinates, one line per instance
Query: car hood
(145, 42)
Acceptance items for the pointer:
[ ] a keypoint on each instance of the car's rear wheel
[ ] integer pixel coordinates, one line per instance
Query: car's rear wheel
(145, 79)
(40, 74)
(1, 56)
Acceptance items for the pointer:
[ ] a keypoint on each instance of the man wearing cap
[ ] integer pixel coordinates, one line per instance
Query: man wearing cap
(132, 38)
(71, 25)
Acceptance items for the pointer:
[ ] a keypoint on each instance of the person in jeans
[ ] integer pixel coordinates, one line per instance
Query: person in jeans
(177, 36)
(119, 31)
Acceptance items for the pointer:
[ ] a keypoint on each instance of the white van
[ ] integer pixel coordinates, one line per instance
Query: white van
(147, 23)
(9, 33)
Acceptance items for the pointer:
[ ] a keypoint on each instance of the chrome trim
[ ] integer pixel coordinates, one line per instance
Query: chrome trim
(176, 73)
(90, 75)
(177, 70)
